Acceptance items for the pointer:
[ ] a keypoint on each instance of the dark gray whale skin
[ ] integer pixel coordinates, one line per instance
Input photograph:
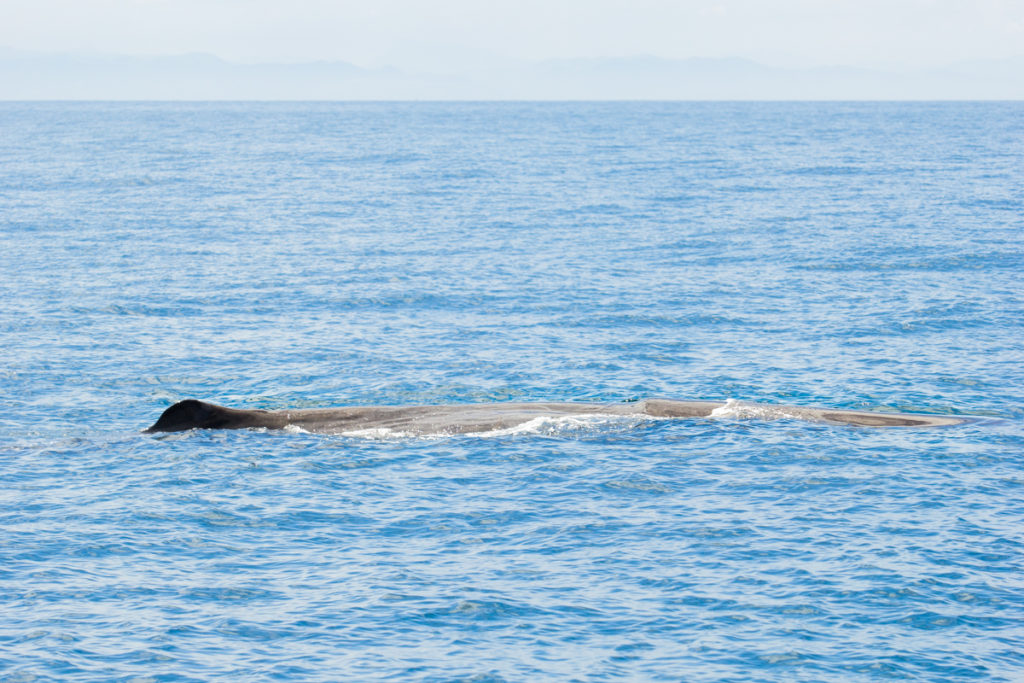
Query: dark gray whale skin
(485, 417)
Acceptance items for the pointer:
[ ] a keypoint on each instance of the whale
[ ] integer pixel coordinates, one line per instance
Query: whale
(454, 419)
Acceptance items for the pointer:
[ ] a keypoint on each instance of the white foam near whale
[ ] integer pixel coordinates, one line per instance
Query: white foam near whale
(573, 425)
(740, 410)
(565, 426)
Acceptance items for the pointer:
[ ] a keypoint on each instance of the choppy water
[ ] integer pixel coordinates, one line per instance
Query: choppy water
(864, 256)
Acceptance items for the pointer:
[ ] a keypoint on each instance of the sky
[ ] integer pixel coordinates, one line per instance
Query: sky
(439, 35)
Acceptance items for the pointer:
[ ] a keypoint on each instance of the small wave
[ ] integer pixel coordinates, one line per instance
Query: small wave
(565, 426)
(573, 425)
(371, 433)
(738, 410)
(387, 434)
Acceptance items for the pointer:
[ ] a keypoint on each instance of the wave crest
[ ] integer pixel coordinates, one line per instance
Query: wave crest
(739, 410)
(573, 425)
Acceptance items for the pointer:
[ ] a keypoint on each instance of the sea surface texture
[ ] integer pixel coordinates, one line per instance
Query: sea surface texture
(861, 256)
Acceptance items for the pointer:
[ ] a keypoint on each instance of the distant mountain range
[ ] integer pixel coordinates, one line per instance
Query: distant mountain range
(77, 76)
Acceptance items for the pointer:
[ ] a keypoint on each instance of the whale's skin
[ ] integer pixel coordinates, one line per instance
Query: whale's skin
(486, 417)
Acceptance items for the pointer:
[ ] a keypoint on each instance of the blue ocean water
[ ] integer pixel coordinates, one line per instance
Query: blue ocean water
(854, 255)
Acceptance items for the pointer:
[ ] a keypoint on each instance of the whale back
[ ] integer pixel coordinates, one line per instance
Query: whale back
(451, 419)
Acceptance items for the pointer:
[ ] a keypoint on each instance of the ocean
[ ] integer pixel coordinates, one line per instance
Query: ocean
(864, 256)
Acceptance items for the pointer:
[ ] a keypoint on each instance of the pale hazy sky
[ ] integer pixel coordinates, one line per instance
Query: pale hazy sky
(439, 34)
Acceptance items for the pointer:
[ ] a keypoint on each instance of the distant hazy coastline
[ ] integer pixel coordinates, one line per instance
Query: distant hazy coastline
(82, 76)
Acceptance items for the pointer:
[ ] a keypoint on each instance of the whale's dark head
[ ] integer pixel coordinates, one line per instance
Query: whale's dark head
(192, 414)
